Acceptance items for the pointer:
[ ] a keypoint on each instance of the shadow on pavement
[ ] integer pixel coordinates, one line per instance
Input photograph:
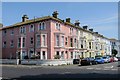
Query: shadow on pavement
(93, 76)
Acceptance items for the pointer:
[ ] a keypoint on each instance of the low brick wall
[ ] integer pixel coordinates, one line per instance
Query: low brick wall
(8, 61)
(38, 62)
(47, 62)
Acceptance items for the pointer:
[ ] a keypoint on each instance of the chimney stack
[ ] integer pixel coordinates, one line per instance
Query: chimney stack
(55, 14)
(85, 27)
(77, 23)
(96, 32)
(91, 30)
(68, 20)
(24, 18)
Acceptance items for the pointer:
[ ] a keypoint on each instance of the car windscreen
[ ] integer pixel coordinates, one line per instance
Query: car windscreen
(85, 59)
(104, 57)
(98, 58)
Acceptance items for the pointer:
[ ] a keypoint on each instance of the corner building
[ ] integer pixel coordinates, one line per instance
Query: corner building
(48, 37)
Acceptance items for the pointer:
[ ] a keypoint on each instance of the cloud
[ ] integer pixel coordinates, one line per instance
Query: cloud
(112, 19)
(107, 30)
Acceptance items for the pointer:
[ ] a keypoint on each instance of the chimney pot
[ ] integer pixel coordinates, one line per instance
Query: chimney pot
(77, 23)
(91, 30)
(25, 18)
(68, 20)
(55, 14)
(85, 27)
(96, 32)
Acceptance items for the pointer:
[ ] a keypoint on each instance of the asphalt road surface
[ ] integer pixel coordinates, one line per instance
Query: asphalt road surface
(14, 72)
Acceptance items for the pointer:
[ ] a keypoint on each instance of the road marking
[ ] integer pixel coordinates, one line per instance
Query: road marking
(106, 69)
(0, 78)
(109, 67)
(89, 68)
(114, 69)
(98, 69)
(67, 72)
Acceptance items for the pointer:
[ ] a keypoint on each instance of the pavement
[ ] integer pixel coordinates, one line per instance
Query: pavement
(15, 72)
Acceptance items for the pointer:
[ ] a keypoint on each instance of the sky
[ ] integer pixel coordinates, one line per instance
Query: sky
(101, 16)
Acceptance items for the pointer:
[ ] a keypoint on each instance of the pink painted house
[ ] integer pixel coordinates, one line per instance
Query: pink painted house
(43, 38)
(0, 44)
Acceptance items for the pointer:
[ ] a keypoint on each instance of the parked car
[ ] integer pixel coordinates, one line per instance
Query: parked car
(106, 59)
(111, 59)
(115, 59)
(88, 61)
(76, 61)
(99, 60)
(118, 58)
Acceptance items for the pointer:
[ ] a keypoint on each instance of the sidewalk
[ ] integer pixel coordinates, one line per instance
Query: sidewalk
(12, 65)
(37, 66)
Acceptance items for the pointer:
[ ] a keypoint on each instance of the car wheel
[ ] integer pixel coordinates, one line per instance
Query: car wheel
(90, 63)
(96, 63)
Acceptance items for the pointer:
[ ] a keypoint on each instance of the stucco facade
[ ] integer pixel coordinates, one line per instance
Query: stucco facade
(48, 37)
(0, 43)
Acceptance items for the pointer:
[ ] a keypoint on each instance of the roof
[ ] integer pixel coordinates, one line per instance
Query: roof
(113, 39)
(47, 18)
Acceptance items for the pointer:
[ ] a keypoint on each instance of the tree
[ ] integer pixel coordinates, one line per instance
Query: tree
(114, 52)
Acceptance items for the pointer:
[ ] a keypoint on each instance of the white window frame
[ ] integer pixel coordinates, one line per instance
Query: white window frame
(31, 39)
(22, 30)
(38, 40)
(75, 43)
(57, 26)
(23, 43)
(57, 40)
(43, 56)
(41, 27)
(81, 41)
(62, 41)
(4, 45)
(19, 42)
(11, 43)
(66, 41)
(12, 32)
(43, 40)
(62, 55)
(30, 55)
(71, 55)
(4, 32)
(31, 28)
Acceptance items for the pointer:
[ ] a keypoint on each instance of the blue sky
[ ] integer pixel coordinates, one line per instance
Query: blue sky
(101, 16)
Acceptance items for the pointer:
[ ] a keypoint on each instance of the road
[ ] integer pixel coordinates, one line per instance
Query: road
(108, 70)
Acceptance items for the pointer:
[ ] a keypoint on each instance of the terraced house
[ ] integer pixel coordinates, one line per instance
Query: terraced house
(1, 40)
(50, 37)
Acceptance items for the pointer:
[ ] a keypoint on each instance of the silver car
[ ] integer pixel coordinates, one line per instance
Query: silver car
(106, 59)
